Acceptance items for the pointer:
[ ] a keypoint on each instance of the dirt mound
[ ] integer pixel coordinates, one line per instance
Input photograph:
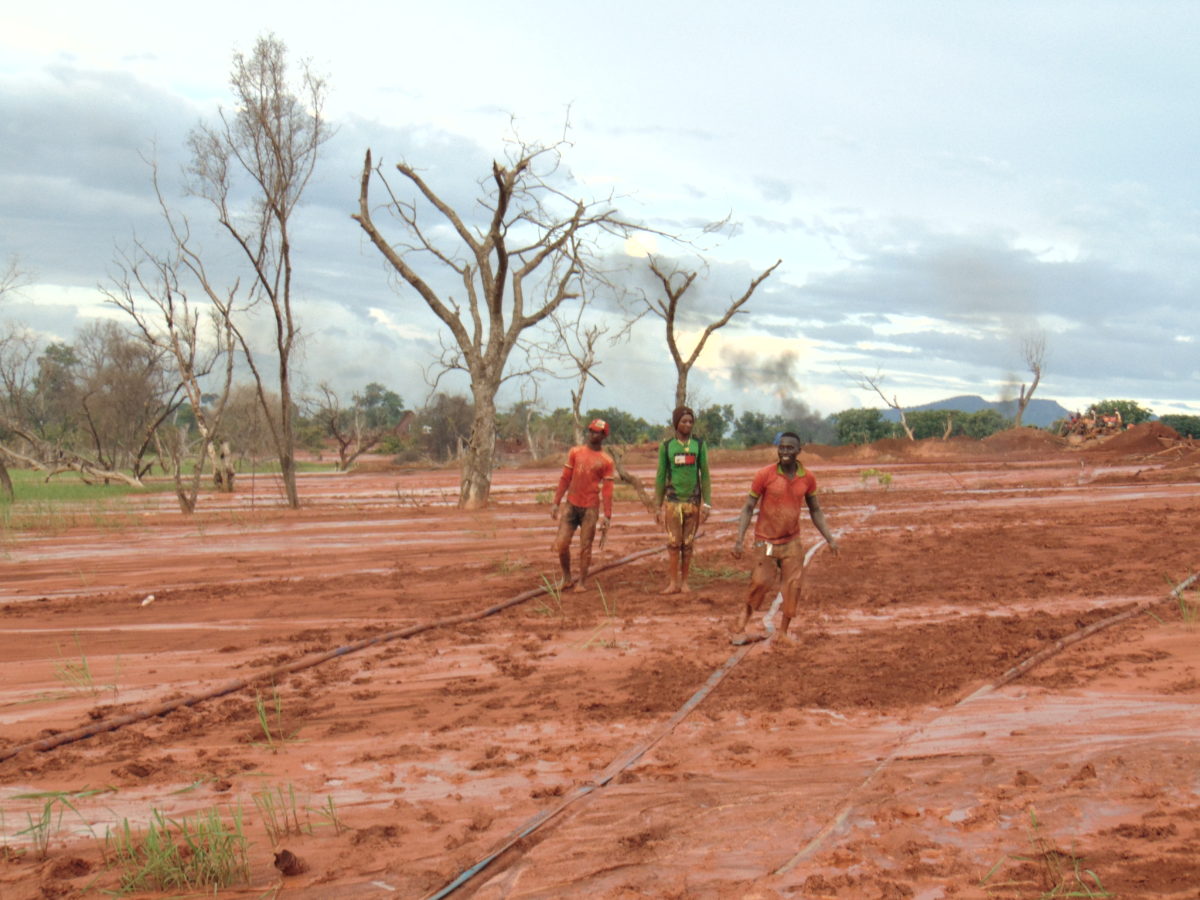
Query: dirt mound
(1023, 440)
(1148, 437)
(1188, 456)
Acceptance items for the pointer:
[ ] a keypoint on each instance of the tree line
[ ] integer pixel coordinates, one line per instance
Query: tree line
(109, 405)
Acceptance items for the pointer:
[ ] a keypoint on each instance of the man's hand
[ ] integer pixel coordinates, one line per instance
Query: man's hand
(833, 547)
(554, 510)
(737, 549)
(705, 509)
(658, 515)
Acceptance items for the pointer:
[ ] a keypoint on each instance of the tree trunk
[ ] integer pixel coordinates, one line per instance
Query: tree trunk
(476, 486)
(5, 481)
(618, 455)
(287, 470)
(222, 463)
(287, 438)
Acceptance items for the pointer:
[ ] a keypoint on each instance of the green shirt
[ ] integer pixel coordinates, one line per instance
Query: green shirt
(682, 472)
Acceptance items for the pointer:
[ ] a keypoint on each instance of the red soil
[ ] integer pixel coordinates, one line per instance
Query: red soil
(878, 757)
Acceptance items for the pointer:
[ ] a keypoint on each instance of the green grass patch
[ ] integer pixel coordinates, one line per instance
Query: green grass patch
(204, 851)
(65, 502)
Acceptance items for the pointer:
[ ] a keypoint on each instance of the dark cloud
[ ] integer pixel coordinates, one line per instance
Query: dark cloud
(72, 144)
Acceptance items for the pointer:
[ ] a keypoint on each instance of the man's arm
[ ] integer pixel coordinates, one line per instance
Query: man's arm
(564, 481)
(705, 480)
(818, 518)
(660, 481)
(606, 495)
(744, 523)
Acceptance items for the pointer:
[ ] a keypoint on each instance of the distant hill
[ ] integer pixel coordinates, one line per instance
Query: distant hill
(1041, 413)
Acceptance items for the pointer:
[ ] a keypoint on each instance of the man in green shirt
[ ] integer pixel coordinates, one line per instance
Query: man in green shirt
(682, 495)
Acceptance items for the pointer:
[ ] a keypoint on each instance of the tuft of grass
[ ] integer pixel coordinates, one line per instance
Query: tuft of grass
(543, 498)
(329, 813)
(48, 823)
(554, 591)
(76, 673)
(1058, 874)
(279, 814)
(508, 565)
(270, 721)
(43, 828)
(185, 854)
(1189, 606)
(610, 621)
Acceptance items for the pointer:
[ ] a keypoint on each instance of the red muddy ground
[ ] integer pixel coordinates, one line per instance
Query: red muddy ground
(882, 756)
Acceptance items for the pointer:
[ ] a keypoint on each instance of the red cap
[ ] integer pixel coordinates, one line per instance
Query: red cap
(598, 425)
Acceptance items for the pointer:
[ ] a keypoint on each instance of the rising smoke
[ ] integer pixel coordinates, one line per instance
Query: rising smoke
(776, 377)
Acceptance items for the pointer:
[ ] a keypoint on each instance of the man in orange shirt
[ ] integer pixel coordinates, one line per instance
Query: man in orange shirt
(783, 489)
(586, 478)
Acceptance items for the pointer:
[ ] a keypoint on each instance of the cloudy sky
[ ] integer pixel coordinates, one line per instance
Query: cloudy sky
(940, 179)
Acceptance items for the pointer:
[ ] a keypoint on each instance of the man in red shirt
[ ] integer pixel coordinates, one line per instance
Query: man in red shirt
(586, 478)
(783, 489)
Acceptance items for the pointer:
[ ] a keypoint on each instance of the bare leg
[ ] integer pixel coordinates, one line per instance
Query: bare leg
(762, 579)
(562, 544)
(673, 572)
(685, 564)
(587, 533)
(793, 586)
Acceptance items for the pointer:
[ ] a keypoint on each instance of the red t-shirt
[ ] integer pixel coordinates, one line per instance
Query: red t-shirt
(781, 501)
(586, 473)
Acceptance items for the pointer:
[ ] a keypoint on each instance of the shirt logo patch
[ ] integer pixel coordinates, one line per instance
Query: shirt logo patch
(685, 459)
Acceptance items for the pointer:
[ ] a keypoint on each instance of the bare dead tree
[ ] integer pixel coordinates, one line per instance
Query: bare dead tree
(533, 250)
(11, 279)
(53, 458)
(1033, 354)
(349, 427)
(271, 140)
(149, 288)
(676, 282)
(577, 343)
(875, 383)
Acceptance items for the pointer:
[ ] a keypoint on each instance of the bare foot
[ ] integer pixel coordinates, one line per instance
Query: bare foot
(684, 589)
(778, 641)
(579, 587)
(670, 589)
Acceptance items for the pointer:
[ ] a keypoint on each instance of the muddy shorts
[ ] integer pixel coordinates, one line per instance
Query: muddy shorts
(580, 515)
(767, 550)
(682, 520)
